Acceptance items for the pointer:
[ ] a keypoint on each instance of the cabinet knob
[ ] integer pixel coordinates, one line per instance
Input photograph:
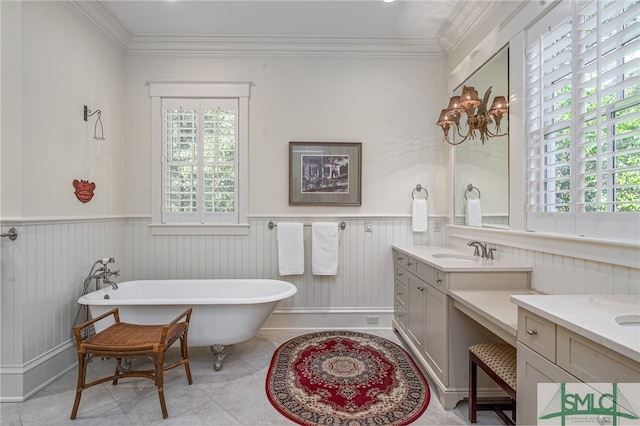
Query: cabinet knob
(420, 288)
(409, 263)
(531, 331)
(438, 280)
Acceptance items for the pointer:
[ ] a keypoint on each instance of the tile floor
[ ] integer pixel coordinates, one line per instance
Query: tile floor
(235, 395)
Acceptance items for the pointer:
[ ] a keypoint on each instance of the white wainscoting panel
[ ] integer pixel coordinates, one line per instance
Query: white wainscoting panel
(42, 274)
(365, 273)
(558, 274)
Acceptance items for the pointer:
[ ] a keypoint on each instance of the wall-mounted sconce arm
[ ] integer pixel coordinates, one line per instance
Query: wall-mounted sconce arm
(98, 132)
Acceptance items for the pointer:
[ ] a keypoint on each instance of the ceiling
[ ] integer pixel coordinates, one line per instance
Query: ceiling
(292, 18)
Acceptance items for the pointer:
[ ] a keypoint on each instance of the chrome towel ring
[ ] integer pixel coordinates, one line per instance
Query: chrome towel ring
(470, 188)
(419, 188)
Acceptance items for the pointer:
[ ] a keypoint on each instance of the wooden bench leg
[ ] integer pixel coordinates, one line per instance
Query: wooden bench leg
(473, 389)
(185, 357)
(82, 375)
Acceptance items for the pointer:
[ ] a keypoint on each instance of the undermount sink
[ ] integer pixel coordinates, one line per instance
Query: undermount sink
(628, 320)
(453, 256)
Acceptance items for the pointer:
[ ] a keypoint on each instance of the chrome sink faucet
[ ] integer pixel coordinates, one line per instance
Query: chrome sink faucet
(480, 249)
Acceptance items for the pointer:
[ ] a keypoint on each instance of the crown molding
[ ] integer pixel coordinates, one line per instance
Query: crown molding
(468, 17)
(102, 21)
(276, 46)
(463, 20)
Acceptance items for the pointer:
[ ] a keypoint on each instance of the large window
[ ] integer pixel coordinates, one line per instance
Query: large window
(583, 120)
(200, 144)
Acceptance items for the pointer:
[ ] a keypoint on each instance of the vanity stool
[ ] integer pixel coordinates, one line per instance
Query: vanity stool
(498, 360)
(122, 340)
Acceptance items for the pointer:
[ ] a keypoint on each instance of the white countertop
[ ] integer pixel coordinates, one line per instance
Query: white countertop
(425, 254)
(591, 316)
(491, 308)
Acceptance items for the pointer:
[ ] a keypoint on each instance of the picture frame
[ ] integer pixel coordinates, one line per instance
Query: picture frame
(325, 173)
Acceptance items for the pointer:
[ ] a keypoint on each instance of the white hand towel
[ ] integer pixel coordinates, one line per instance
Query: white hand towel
(474, 212)
(324, 248)
(419, 217)
(290, 249)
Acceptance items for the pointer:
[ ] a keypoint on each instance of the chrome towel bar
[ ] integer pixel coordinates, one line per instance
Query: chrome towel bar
(272, 225)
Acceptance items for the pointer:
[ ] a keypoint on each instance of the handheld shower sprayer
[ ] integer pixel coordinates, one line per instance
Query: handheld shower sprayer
(99, 271)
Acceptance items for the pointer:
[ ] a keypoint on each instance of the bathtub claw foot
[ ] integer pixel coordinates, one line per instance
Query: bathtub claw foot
(219, 352)
(124, 364)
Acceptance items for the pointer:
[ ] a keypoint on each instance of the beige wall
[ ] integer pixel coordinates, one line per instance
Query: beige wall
(380, 102)
(52, 65)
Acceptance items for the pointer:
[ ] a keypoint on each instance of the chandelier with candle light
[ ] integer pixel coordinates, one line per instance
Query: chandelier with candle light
(480, 122)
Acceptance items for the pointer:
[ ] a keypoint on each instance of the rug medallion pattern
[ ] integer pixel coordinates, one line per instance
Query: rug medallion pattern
(346, 378)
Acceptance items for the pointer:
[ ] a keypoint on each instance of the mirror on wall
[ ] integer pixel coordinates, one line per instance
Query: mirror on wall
(481, 170)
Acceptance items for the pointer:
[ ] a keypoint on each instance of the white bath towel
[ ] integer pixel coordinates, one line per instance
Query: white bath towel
(419, 217)
(290, 248)
(324, 248)
(474, 212)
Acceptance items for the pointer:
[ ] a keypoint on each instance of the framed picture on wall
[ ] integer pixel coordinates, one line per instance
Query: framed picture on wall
(325, 173)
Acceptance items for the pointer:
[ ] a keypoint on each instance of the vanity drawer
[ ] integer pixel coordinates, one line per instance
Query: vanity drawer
(400, 259)
(412, 265)
(401, 292)
(400, 314)
(400, 274)
(425, 272)
(592, 362)
(537, 333)
(440, 280)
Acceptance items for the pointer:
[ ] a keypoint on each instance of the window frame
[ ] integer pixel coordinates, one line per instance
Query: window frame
(200, 90)
(601, 225)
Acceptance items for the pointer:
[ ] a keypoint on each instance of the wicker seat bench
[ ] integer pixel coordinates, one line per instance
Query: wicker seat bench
(122, 341)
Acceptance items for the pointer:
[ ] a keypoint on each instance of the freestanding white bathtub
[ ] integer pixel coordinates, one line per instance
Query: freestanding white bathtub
(224, 311)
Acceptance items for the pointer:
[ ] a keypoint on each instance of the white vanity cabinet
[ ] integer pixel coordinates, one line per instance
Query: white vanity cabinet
(437, 333)
(425, 311)
(533, 369)
(550, 353)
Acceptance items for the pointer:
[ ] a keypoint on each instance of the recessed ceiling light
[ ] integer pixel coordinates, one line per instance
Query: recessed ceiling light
(388, 1)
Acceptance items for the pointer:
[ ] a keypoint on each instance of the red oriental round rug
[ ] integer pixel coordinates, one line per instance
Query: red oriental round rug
(346, 378)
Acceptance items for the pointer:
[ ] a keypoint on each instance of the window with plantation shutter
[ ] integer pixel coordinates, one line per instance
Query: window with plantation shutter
(199, 160)
(200, 141)
(583, 120)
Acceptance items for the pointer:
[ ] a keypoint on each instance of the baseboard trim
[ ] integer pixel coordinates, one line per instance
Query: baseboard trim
(20, 382)
(342, 318)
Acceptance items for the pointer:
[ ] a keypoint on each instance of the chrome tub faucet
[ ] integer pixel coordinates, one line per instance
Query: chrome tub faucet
(104, 273)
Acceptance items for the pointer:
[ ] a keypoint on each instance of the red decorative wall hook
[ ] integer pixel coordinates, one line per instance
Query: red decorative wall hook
(84, 190)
